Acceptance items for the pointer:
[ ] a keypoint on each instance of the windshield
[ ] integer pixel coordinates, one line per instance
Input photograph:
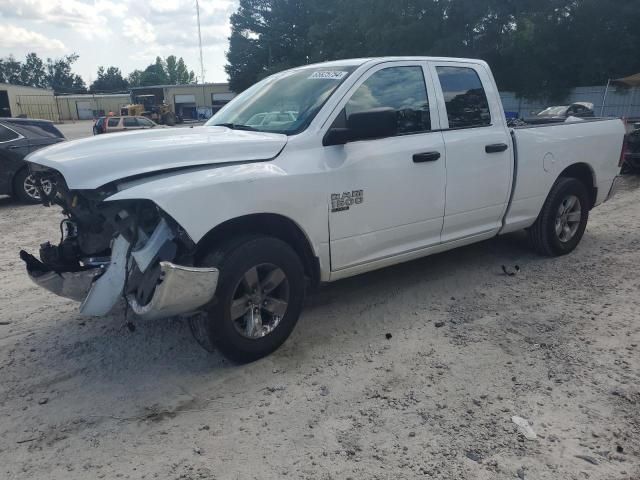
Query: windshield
(553, 112)
(283, 103)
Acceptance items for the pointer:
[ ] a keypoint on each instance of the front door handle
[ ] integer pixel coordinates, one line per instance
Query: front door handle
(496, 148)
(426, 157)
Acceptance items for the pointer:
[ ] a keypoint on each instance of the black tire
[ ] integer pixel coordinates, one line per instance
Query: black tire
(543, 235)
(19, 189)
(234, 259)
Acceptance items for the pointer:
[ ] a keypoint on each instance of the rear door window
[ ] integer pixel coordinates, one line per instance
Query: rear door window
(7, 135)
(465, 98)
(129, 122)
(113, 122)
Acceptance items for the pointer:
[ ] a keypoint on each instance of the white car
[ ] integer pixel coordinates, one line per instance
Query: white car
(387, 160)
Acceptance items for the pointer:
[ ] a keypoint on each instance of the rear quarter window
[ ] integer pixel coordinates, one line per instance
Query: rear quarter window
(7, 135)
(42, 129)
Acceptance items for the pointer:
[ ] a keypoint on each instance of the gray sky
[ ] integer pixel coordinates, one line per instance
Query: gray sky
(128, 34)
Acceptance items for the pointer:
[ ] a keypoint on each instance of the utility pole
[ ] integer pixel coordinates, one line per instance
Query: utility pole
(200, 42)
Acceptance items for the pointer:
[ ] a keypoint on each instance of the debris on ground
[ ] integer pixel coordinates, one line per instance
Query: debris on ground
(388, 336)
(589, 459)
(524, 427)
(474, 455)
(439, 324)
(511, 273)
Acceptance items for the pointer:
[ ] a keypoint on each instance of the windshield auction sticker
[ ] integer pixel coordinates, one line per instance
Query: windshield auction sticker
(328, 75)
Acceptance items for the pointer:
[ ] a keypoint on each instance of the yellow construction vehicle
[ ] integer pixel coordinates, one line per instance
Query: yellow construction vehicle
(145, 105)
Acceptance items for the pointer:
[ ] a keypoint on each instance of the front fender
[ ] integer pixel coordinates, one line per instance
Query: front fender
(201, 199)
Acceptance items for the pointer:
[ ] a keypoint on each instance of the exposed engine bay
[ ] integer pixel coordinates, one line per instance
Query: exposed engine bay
(113, 250)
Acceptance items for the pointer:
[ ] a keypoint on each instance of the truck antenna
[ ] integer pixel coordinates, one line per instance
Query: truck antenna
(200, 41)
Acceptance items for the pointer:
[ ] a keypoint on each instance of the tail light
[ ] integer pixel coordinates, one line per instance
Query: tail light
(625, 151)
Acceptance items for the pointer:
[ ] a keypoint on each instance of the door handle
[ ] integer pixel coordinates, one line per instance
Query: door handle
(426, 157)
(14, 147)
(496, 148)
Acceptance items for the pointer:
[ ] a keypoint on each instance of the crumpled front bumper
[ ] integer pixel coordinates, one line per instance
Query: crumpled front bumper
(180, 290)
(73, 285)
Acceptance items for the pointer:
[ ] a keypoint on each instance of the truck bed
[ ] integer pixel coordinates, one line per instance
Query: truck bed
(543, 152)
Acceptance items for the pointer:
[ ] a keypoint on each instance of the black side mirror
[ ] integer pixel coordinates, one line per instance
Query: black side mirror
(365, 125)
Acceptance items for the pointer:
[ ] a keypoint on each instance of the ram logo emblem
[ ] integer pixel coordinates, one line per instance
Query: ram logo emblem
(341, 202)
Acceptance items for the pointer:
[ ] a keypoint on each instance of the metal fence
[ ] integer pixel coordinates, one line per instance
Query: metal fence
(620, 102)
(37, 106)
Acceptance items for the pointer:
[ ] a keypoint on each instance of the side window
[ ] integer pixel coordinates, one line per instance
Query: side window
(466, 100)
(129, 122)
(7, 135)
(401, 88)
(113, 122)
(144, 122)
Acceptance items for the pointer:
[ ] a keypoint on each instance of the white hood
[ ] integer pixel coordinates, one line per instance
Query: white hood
(92, 162)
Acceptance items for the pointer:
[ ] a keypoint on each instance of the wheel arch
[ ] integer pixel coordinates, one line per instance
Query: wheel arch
(271, 224)
(585, 174)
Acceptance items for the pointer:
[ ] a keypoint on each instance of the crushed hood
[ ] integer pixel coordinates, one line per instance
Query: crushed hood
(93, 162)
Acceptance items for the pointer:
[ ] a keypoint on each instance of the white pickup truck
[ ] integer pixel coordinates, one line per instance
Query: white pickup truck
(310, 176)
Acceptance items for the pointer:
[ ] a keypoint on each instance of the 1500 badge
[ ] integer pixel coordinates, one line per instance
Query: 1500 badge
(341, 202)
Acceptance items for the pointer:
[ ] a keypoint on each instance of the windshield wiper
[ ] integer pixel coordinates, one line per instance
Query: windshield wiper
(237, 126)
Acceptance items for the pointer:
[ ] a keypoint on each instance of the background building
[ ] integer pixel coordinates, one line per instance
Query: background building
(193, 101)
(16, 101)
(87, 107)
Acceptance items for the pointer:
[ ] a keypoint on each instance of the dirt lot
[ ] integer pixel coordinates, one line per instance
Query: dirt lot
(469, 347)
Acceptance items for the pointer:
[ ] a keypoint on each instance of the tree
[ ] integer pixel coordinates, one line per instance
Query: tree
(33, 72)
(10, 71)
(60, 77)
(135, 78)
(535, 47)
(109, 80)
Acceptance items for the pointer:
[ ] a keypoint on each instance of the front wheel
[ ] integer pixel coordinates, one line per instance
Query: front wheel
(25, 187)
(563, 219)
(258, 299)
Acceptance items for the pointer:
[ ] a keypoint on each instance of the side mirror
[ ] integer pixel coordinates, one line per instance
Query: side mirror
(336, 136)
(365, 125)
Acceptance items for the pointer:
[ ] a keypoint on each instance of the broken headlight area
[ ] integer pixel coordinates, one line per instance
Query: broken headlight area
(122, 249)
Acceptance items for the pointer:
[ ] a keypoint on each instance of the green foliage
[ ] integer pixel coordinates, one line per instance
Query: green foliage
(170, 71)
(33, 72)
(535, 47)
(57, 74)
(109, 80)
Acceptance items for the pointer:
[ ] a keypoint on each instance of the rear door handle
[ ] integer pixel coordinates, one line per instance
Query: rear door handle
(426, 157)
(496, 148)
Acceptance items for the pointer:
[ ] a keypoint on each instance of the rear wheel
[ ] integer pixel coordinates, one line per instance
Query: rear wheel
(24, 187)
(563, 219)
(258, 299)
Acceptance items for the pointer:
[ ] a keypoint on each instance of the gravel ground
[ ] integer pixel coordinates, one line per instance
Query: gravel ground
(411, 372)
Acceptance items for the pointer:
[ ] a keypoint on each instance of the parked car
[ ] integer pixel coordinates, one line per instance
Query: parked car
(560, 114)
(387, 160)
(18, 138)
(122, 124)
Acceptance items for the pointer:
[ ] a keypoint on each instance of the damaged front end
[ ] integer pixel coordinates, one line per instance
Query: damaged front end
(113, 250)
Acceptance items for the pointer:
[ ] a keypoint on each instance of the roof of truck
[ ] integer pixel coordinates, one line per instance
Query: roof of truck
(362, 61)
